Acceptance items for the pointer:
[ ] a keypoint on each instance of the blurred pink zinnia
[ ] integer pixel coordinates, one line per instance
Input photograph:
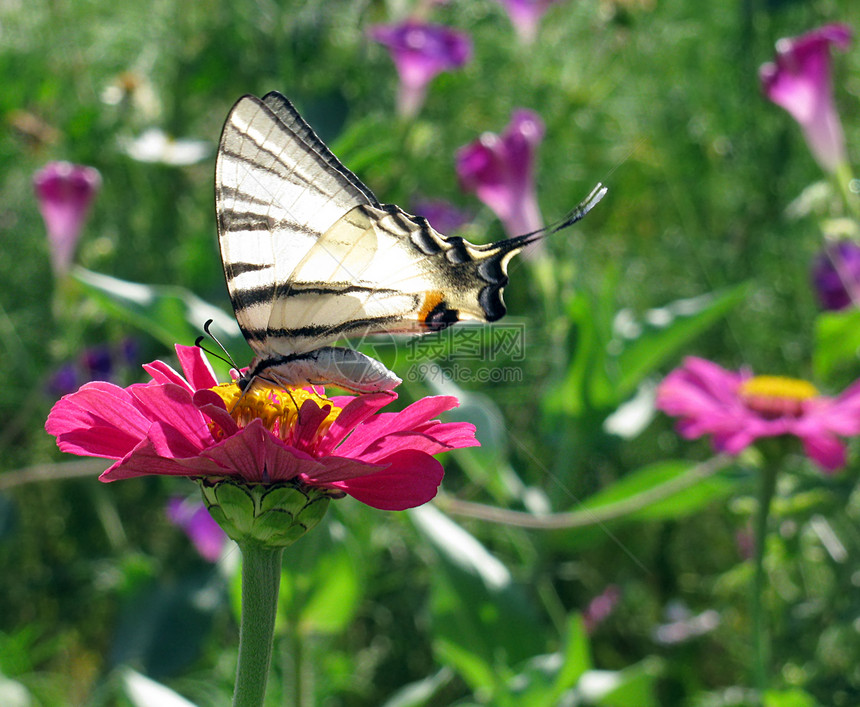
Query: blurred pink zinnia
(192, 426)
(65, 192)
(500, 170)
(799, 80)
(737, 408)
(420, 52)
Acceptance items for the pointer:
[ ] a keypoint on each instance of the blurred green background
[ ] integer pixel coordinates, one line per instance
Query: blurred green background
(658, 99)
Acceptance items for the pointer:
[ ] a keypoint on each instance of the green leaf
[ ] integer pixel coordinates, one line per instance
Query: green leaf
(837, 341)
(477, 672)
(666, 331)
(334, 594)
(577, 655)
(477, 610)
(571, 395)
(788, 698)
(632, 687)
(170, 314)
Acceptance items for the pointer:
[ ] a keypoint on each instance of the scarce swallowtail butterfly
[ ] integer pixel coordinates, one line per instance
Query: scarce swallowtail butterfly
(311, 256)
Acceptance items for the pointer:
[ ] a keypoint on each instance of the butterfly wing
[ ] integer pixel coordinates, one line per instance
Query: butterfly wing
(311, 256)
(278, 189)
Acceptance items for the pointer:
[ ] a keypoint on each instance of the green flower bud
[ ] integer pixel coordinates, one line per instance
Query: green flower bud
(275, 515)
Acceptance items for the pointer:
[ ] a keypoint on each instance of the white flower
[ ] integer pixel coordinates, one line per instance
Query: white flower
(154, 145)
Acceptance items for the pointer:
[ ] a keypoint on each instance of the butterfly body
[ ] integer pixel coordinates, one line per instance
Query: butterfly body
(310, 256)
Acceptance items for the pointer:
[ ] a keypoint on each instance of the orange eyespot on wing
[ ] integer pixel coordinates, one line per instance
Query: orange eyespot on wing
(435, 314)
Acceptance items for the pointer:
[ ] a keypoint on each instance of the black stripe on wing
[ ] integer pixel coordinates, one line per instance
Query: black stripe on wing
(313, 331)
(232, 221)
(251, 296)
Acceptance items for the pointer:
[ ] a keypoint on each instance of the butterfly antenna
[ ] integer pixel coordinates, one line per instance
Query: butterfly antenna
(577, 214)
(581, 209)
(226, 357)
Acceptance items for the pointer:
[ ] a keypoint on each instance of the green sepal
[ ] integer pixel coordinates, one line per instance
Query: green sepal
(275, 515)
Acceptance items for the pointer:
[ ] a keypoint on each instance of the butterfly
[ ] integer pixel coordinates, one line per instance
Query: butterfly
(311, 256)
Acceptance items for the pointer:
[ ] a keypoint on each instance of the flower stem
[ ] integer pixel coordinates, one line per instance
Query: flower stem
(761, 643)
(844, 178)
(261, 577)
(297, 653)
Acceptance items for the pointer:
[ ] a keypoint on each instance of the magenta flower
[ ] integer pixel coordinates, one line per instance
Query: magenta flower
(526, 16)
(500, 170)
(194, 518)
(799, 81)
(180, 426)
(65, 192)
(836, 275)
(737, 409)
(420, 52)
(600, 607)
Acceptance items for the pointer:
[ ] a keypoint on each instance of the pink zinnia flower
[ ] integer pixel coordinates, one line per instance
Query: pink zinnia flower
(420, 52)
(526, 16)
(199, 525)
(737, 408)
(799, 81)
(65, 192)
(500, 170)
(191, 426)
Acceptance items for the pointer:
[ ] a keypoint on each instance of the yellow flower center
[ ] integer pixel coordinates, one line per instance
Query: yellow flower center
(277, 408)
(777, 396)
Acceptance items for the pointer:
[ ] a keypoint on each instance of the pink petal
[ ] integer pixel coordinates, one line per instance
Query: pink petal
(145, 460)
(383, 424)
(310, 417)
(162, 373)
(335, 469)
(461, 434)
(196, 367)
(357, 410)
(98, 420)
(840, 415)
(212, 405)
(257, 456)
(172, 404)
(412, 478)
(826, 450)
(734, 441)
(170, 443)
(452, 435)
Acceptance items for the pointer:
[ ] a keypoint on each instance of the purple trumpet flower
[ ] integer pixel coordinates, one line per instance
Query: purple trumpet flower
(499, 169)
(193, 517)
(526, 16)
(799, 80)
(836, 275)
(420, 52)
(65, 192)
